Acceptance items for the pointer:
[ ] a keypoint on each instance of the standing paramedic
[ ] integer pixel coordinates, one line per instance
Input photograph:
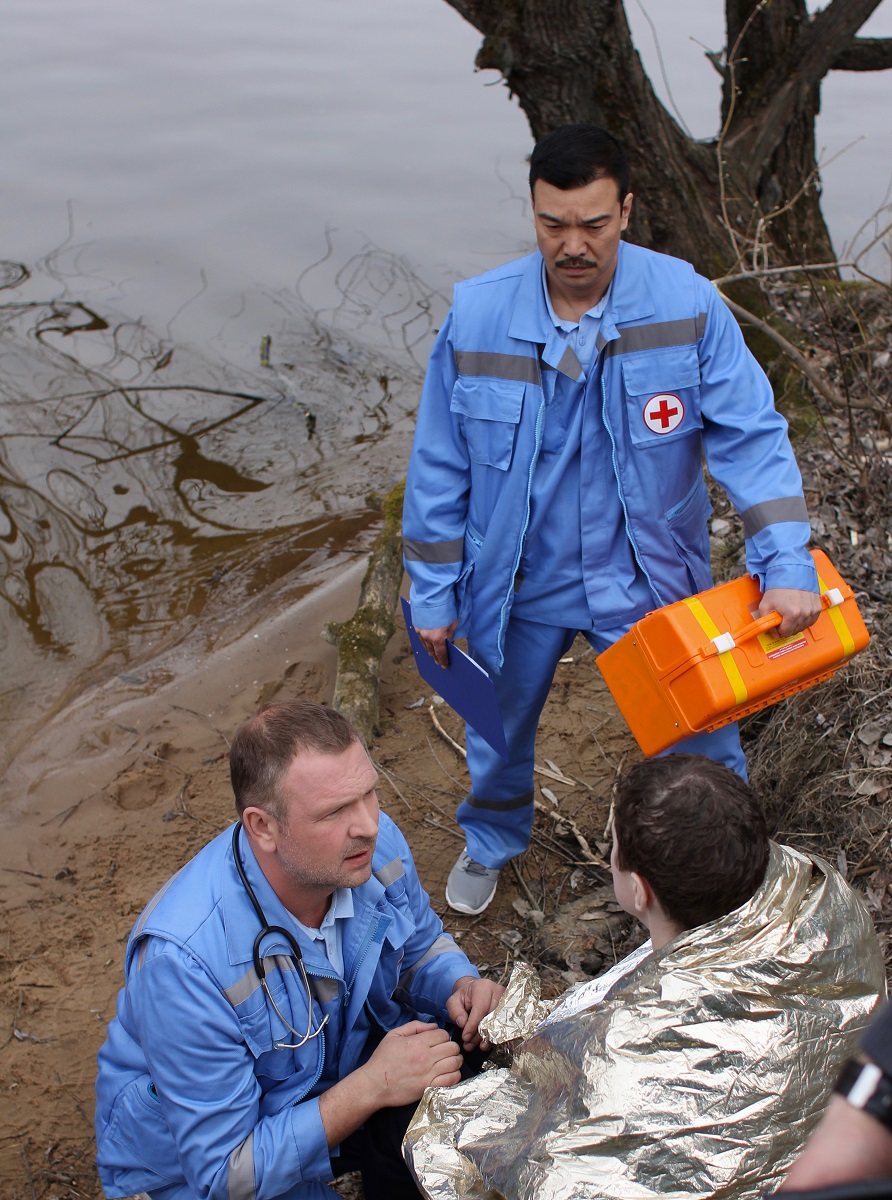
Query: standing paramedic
(285, 992)
(556, 481)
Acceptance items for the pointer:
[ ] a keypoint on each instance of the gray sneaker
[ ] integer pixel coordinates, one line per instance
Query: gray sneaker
(470, 886)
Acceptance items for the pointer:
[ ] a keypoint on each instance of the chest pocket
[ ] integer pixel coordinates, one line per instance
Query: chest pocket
(490, 411)
(262, 1029)
(662, 393)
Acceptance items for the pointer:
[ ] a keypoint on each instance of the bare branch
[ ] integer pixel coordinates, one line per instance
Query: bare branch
(830, 28)
(812, 373)
(865, 54)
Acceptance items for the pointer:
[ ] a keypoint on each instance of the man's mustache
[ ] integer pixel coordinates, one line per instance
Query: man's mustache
(360, 846)
(575, 262)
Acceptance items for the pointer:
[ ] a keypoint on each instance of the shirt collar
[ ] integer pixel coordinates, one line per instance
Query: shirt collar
(340, 909)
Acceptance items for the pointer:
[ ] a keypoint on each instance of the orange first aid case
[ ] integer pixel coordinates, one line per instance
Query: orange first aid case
(703, 662)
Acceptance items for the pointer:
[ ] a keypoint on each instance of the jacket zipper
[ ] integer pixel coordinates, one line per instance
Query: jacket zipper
(316, 973)
(360, 958)
(506, 604)
(619, 490)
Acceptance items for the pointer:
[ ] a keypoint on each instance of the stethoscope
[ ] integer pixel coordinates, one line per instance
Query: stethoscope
(293, 950)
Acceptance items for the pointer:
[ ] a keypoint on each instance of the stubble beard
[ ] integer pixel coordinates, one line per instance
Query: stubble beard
(305, 873)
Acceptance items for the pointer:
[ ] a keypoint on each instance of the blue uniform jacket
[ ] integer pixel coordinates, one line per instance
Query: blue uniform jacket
(677, 383)
(191, 1090)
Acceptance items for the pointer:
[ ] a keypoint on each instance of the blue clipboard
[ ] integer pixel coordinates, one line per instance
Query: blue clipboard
(464, 685)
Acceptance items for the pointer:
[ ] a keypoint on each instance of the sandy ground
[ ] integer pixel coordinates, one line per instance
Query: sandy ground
(131, 786)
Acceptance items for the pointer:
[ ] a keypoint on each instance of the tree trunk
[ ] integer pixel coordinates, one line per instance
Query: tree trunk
(574, 60)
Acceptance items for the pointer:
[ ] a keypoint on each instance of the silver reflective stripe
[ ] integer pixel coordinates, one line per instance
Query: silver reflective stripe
(241, 1170)
(569, 364)
(390, 872)
(323, 988)
(657, 336)
(243, 989)
(770, 512)
(443, 945)
(518, 367)
(150, 907)
(141, 953)
(434, 552)
(504, 805)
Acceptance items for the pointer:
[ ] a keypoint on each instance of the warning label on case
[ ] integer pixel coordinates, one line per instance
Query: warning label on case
(775, 647)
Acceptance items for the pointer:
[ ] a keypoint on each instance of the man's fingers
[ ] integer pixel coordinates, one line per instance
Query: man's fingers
(475, 1016)
(456, 1011)
(436, 648)
(446, 1080)
(413, 1027)
(434, 641)
(798, 609)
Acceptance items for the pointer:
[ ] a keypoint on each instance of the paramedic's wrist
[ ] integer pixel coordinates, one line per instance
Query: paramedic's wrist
(847, 1146)
(868, 1087)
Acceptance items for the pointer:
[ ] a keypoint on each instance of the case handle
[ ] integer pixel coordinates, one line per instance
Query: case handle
(727, 641)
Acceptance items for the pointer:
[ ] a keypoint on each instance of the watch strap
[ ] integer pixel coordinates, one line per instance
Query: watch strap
(868, 1087)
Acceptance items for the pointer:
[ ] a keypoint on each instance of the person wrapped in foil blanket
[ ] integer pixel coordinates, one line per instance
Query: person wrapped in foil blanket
(698, 1066)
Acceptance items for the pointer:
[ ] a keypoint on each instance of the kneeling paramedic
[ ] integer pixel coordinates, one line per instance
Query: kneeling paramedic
(286, 991)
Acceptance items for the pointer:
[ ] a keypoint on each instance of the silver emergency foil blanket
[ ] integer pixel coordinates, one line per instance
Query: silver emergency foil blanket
(700, 1073)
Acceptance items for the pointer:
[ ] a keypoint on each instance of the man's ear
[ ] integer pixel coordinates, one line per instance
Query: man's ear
(262, 828)
(626, 210)
(643, 897)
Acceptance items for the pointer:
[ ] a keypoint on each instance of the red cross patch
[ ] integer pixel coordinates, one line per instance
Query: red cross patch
(663, 413)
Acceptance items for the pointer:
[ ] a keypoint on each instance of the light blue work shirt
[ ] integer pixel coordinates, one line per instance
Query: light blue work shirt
(552, 589)
(330, 931)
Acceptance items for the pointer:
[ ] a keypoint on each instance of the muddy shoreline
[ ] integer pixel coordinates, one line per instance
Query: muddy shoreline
(130, 787)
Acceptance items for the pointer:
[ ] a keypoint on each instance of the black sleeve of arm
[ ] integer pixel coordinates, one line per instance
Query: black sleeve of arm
(877, 1039)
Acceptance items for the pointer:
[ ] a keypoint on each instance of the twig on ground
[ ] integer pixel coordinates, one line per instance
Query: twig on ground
(522, 883)
(557, 775)
(559, 820)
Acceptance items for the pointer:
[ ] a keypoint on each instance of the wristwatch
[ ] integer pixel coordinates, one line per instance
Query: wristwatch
(868, 1087)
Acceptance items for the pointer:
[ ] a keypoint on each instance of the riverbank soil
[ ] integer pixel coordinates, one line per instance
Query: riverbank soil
(87, 866)
(85, 853)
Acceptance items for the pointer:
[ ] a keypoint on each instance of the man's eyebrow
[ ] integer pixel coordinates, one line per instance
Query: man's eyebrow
(547, 216)
(347, 800)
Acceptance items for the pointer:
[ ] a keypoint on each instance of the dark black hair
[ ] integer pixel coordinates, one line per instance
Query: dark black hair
(695, 831)
(574, 155)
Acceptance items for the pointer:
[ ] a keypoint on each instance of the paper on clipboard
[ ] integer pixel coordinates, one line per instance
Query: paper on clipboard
(464, 685)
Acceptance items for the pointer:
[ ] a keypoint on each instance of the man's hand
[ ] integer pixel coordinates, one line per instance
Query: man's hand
(469, 1003)
(798, 609)
(405, 1062)
(411, 1058)
(434, 641)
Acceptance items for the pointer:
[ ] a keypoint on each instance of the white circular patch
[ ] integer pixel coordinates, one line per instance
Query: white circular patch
(663, 413)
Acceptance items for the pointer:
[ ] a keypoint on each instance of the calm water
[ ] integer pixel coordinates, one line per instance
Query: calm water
(229, 231)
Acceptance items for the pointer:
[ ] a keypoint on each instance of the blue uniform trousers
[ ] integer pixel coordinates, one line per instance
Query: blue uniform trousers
(497, 815)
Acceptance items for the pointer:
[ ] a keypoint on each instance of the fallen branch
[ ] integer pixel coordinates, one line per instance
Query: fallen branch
(563, 821)
(559, 819)
(360, 641)
(556, 775)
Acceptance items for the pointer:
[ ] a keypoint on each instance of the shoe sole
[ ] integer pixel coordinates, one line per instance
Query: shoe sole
(465, 909)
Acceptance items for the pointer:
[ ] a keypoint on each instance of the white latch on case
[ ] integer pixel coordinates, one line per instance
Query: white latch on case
(834, 595)
(724, 642)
